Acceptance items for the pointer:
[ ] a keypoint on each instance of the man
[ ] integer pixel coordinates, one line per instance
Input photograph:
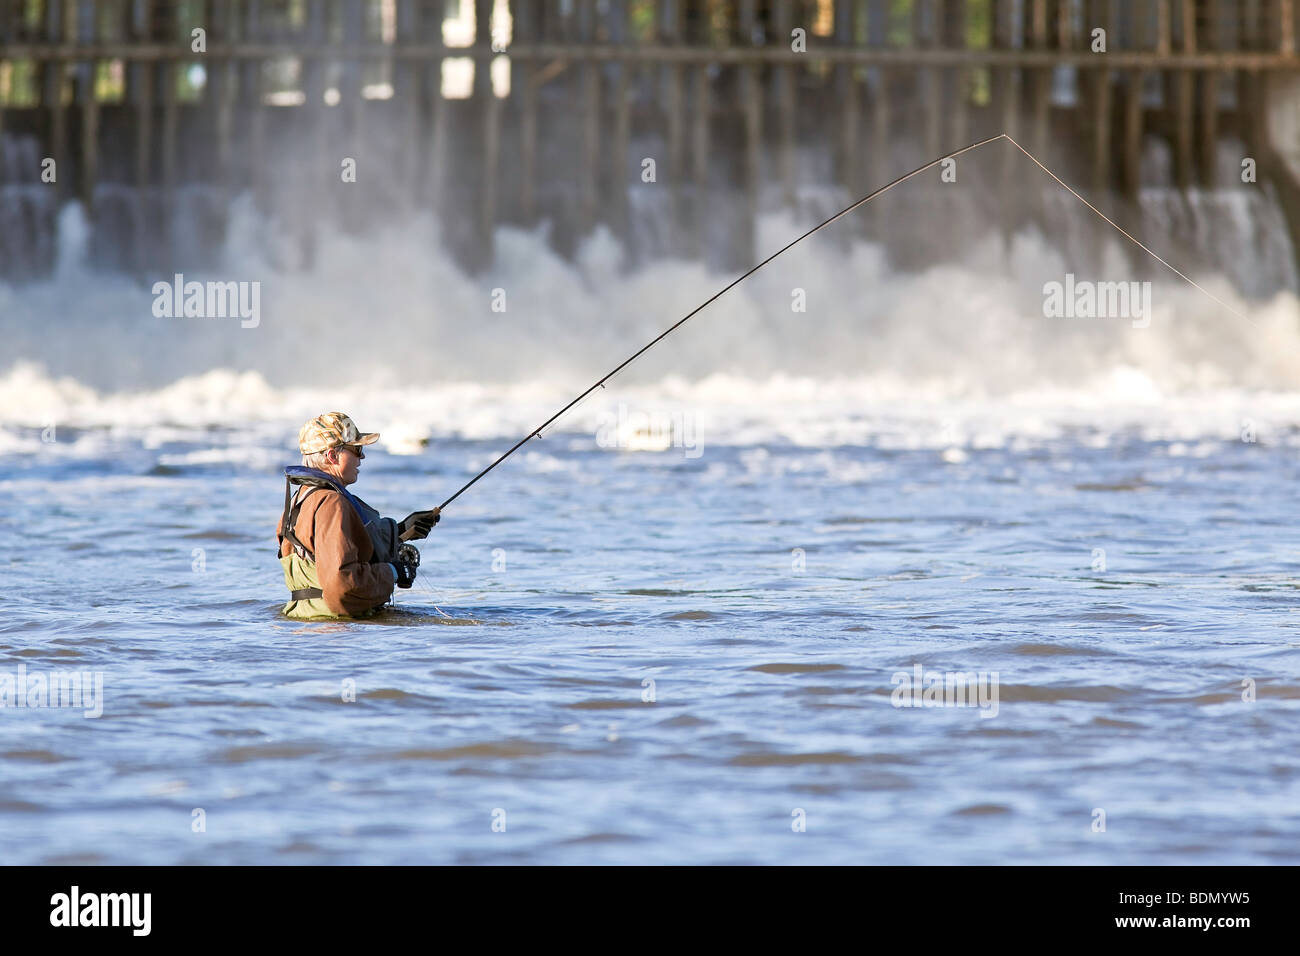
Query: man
(340, 558)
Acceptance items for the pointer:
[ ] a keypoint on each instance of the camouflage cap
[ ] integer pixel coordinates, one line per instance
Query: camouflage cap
(331, 430)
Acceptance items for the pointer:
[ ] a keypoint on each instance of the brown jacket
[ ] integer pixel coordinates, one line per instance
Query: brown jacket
(332, 530)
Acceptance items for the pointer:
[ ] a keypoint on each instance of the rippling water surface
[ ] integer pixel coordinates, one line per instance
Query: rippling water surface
(635, 656)
(643, 657)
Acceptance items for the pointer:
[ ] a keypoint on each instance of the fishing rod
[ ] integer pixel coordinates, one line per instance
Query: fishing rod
(600, 383)
(843, 212)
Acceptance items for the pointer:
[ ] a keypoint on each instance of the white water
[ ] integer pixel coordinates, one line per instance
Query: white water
(387, 328)
(921, 469)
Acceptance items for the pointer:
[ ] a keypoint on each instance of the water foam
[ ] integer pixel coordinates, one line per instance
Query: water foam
(386, 327)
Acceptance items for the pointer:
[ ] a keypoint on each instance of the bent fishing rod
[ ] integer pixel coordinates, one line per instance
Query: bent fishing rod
(600, 383)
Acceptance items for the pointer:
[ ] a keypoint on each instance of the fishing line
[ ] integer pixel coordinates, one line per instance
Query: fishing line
(600, 383)
(432, 596)
(1126, 235)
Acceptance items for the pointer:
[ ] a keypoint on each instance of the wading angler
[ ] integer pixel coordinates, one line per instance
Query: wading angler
(340, 558)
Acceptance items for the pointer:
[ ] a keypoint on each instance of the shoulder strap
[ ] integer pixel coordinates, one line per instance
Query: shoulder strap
(289, 519)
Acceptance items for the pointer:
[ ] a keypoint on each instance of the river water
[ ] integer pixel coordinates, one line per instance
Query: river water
(677, 628)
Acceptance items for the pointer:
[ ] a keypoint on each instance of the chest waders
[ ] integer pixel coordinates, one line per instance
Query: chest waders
(306, 599)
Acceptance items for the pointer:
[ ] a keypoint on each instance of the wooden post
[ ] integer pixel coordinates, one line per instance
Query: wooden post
(847, 166)
(1260, 139)
(1210, 82)
(468, 208)
(1249, 82)
(6, 35)
(526, 25)
(589, 163)
(880, 122)
(1183, 104)
(584, 12)
(7, 29)
(354, 34)
(1286, 26)
(223, 82)
(489, 104)
(438, 119)
(670, 23)
(670, 33)
(876, 83)
(1007, 100)
(698, 218)
(89, 111)
(1132, 171)
(163, 31)
(1042, 86)
(751, 106)
(934, 78)
(313, 88)
(1248, 24)
(1101, 123)
(700, 161)
(250, 92)
(167, 89)
(1065, 24)
(958, 77)
(1101, 105)
(140, 80)
(406, 93)
(618, 177)
(1007, 91)
(52, 86)
(1244, 80)
(553, 25)
(316, 197)
(784, 80)
(854, 177)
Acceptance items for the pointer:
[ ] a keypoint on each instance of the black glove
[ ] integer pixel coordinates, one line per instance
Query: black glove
(405, 574)
(418, 524)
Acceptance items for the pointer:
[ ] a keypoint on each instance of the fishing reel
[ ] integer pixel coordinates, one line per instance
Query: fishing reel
(407, 560)
(408, 554)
